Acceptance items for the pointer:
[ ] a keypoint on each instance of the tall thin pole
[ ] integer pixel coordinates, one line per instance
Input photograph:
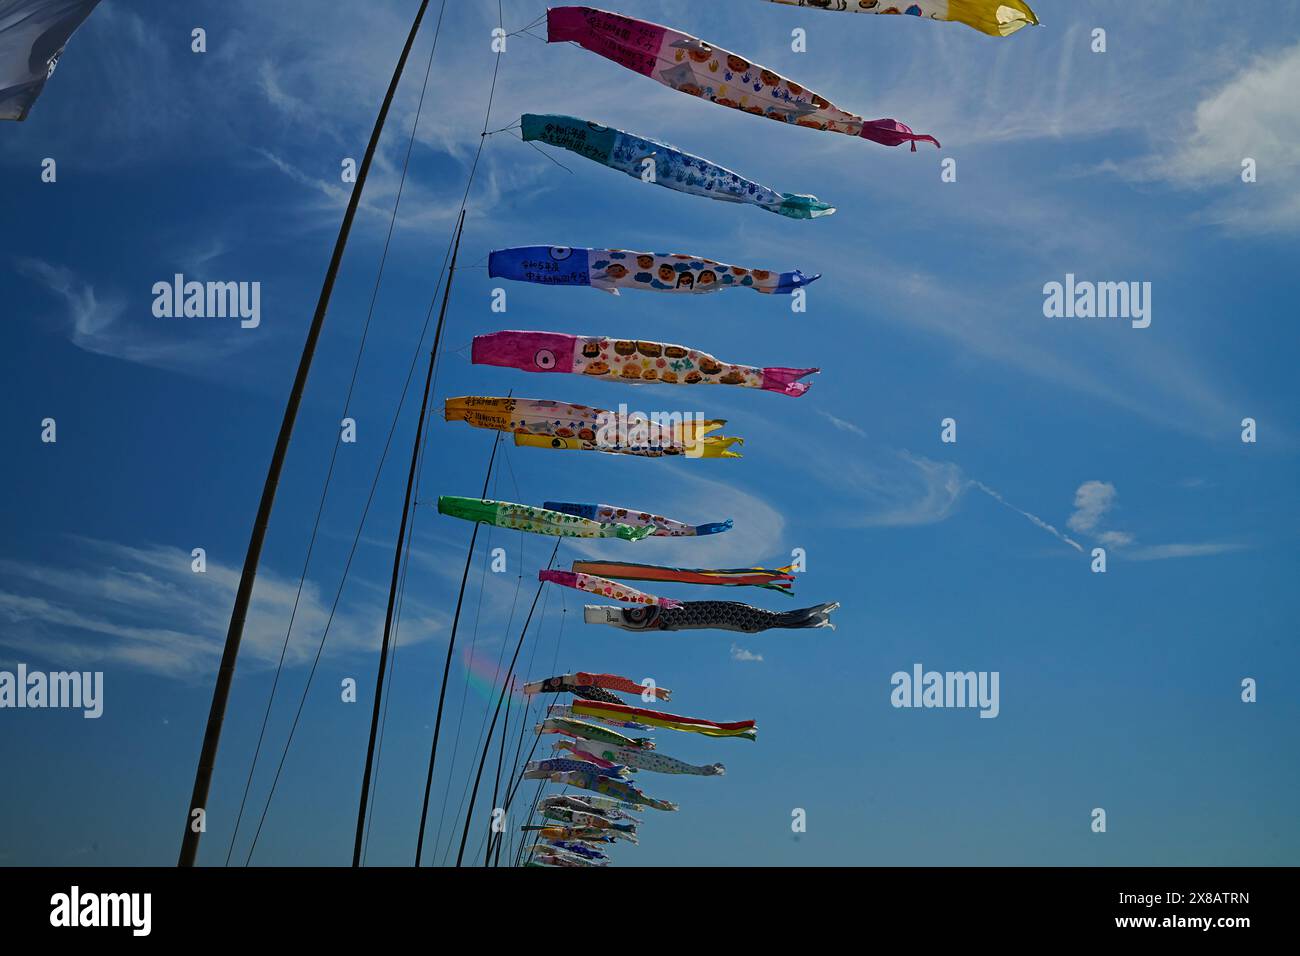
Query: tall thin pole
(469, 810)
(446, 666)
(195, 819)
(496, 786)
(397, 554)
(511, 786)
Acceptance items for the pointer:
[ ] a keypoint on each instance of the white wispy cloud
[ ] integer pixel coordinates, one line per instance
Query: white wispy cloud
(1161, 552)
(145, 608)
(739, 653)
(1095, 500)
(915, 490)
(1252, 115)
(103, 324)
(841, 424)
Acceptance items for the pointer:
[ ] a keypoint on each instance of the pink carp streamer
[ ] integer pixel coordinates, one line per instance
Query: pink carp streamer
(690, 65)
(629, 361)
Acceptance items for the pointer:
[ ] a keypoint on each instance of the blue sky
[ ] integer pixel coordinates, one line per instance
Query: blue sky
(1118, 690)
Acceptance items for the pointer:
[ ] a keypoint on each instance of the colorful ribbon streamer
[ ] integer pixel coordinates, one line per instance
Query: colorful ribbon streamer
(564, 710)
(657, 718)
(777, 579)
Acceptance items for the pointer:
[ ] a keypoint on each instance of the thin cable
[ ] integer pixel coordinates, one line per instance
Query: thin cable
(469, 815)
(410, 373)
(329, 474)
(374, 484)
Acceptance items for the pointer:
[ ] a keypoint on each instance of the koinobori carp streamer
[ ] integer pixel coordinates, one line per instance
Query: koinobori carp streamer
(612, 809)
(594, 584)
(563, 682)
(566, 685)
(33, 34)
(628, 360)
(659, 718)
(777, 579)
(662, 165)
(549, 424)
(616, 514)
(997, 18)
(702, 615)
(556, 856)
(542, 769)
(564, 710)
(585, 834)
(650, 760)
(690, 65)
(584, 818)
(710, 446)
(507, 514)
(613, 269)
(580, 728)
(611, 787)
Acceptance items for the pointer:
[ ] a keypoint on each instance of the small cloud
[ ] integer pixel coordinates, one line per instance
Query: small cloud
(1092, 500)
(842, 425)
(739, 653)
(1162, 552)
(1116, 539)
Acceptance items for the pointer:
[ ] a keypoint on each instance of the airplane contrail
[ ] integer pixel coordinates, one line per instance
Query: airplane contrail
(1033, 518)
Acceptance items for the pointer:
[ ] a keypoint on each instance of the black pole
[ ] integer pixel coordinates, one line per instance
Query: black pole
(496, 786)
(397, 554)
(244, 594)
(512, 786)
(446, 667)
(469, 810)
